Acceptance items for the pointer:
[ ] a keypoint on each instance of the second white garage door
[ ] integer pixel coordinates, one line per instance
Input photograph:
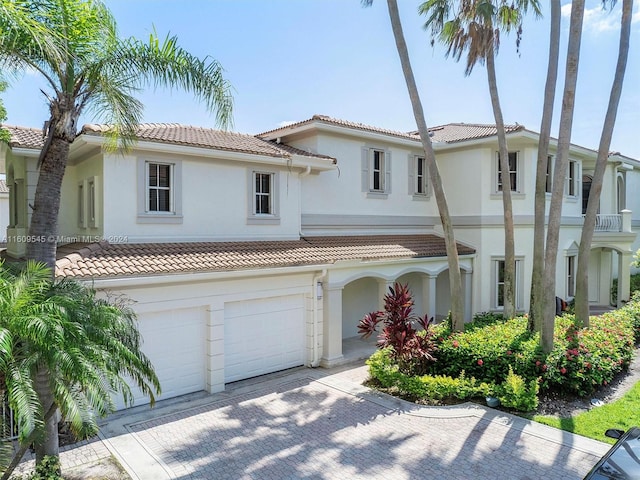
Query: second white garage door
(263, 336)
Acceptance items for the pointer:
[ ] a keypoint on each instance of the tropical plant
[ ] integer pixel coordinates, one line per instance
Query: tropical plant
(411, 348)
(455, 278)
(588, 227)
(89, 347)
(74, 46)
(474, 27)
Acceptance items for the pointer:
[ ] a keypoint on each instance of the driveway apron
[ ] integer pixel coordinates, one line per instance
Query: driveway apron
(323, 424)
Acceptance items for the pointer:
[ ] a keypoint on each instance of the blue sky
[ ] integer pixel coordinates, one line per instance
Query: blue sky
(288, 60)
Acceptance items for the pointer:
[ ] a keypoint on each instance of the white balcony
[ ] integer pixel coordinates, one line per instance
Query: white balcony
(614, 222)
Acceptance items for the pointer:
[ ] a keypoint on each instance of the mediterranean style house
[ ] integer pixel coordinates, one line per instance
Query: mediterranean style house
(246, 255)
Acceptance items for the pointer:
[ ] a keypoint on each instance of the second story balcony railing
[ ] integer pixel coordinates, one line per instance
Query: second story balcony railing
(608, 223)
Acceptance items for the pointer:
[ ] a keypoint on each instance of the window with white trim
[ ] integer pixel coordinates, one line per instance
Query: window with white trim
(92, 203)
(418, 176)
(571, 276)
(159, 191)
(263, 191)
(159, 187)
(263, 197)
(514, 175)
(548, 185)
(573, 171)
(498, 283)
(81, 206)
(376, 172)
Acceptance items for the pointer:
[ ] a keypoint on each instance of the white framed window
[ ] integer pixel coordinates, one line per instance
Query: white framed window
(571, 276)
(81, 205)
(263, 197)
(159, 191)
(92, 202)
(514, 172)
(498, 283)
(548, 185)
(573, 179)
(159, 187)
(376, 172)
(418, 177)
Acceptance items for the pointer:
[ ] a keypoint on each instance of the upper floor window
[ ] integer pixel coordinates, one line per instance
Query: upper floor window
(159, 192)
(263, 198)
(376, 171)
(159, 187)
(549, 178)
(571, 276)
(91, 204)
(514, 172)
(572, 178)
(81, 201)
(263, 193)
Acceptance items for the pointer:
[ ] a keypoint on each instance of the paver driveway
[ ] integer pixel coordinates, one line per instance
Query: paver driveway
(307, 424)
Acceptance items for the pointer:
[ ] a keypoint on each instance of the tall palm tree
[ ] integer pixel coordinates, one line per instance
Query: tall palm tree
(582, 274)
(74, 46)
(474, 26)
(559, 173)
(86, 344)
(536, 304)
(455, 278)
(88, 68)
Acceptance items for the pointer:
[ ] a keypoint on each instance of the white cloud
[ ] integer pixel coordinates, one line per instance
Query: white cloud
(601, 20)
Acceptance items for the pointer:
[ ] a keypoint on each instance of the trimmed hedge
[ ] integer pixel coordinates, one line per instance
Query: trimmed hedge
(501, 358)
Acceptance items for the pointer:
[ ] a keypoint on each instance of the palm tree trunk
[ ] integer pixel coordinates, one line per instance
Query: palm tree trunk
(582, 274)
(560, 171)
(536, 305)
(48, 445)
(509, 240)
(455, 278)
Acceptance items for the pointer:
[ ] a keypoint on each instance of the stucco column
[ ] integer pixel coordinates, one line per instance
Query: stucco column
(215, 348)
(626, 221)
(624, 283)
(429, 294)
(383, 289)
(467, 277)
(332, 326)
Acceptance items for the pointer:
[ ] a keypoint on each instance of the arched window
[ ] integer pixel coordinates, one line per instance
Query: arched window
(622, 194)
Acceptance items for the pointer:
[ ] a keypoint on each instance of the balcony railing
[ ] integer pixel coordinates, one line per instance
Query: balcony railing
(608, 223)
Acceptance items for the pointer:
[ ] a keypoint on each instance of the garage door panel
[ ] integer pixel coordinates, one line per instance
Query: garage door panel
(175, 342)
(263, 336)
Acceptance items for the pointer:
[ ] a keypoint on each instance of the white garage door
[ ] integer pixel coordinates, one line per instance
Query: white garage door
(263, 336)
(175, 342)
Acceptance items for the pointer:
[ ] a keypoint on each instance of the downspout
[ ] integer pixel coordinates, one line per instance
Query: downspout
(314, 290)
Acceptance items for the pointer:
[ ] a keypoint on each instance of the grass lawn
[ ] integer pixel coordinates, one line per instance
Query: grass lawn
(623, 414)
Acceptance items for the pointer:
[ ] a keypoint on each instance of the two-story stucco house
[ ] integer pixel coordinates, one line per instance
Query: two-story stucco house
(246, 254)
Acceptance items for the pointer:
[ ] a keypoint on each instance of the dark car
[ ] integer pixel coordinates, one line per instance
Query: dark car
(622, 461)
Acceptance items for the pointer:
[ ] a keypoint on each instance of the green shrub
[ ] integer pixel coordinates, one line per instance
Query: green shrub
(635, 286)
(439, 387)
(48, 469)
(515, 392)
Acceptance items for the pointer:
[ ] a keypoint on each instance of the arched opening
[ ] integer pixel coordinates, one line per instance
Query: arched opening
(621, 193)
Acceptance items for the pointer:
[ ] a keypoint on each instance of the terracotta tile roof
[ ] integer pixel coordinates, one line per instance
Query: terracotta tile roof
(143, 259)
(458, 132)
(24, 137)
(3, 186)
(450, 133)
(177, 134)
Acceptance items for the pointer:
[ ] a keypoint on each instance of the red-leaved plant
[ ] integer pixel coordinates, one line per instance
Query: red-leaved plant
(411, 348)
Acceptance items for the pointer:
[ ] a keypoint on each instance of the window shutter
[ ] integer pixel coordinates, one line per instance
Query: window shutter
(365, 169)
(387, 172)
(412, 174)
(427, 178)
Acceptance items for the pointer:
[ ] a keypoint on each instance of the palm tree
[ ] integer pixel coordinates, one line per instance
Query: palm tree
(86, 344)
(559, 173)
(74, 46)
(474, 26)
(88, 68)
(455, 278)
(536, 305)
(582, 274)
